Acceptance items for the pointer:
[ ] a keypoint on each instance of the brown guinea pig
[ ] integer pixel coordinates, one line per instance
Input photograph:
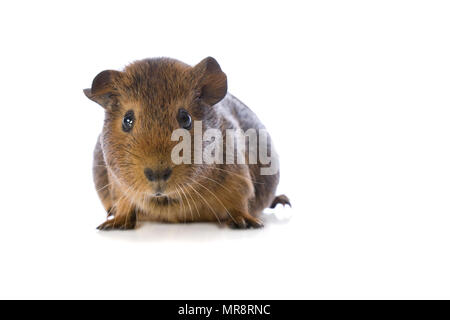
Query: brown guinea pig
(134, 171)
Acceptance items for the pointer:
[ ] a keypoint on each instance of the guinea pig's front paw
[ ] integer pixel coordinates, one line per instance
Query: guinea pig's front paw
(114, 224)
(245, 222)
(118, 224)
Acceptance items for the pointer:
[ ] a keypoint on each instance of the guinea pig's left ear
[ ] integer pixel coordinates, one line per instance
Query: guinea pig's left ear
(103, 88)
(212, 82)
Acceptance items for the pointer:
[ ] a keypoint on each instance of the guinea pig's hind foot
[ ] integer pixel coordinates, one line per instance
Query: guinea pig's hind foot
(244, 222)
(282, 199)
(119, 223)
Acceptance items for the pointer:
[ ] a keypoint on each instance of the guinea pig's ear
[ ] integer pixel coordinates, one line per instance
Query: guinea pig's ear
(212, 82)
(102, 88)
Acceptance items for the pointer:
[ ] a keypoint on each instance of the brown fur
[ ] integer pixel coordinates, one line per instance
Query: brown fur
(155, 89)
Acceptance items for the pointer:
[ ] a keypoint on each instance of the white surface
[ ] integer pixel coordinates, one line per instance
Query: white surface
(355, 95)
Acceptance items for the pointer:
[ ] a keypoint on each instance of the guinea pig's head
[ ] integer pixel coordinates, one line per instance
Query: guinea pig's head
(143, 105)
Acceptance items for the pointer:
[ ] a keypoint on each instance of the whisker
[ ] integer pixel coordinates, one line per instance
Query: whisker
(182, 203)
(234, 173)
(187, 200)
(206, 202)
(123, 195)
(214, 197)
(104, 187)
(193, 201)
(220, 184)
(129, 206)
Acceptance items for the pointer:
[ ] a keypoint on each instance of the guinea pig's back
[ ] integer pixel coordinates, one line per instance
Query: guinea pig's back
(236, 109)
(237, 113)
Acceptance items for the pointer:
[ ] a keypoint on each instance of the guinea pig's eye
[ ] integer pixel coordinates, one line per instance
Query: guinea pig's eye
(128, 121)
(184, 119)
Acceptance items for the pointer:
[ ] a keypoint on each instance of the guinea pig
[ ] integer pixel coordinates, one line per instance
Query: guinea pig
(134, 172)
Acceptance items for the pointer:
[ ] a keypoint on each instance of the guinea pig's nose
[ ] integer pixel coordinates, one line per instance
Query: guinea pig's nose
(153, 175)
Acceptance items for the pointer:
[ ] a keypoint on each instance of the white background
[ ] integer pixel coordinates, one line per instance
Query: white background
(355, 94)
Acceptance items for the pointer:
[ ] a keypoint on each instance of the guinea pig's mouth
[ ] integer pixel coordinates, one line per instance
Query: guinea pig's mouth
(161, 199)
(158, 195)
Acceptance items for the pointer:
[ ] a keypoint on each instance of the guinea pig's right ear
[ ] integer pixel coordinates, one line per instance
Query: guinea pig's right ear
(103, 89)
(212, 82)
